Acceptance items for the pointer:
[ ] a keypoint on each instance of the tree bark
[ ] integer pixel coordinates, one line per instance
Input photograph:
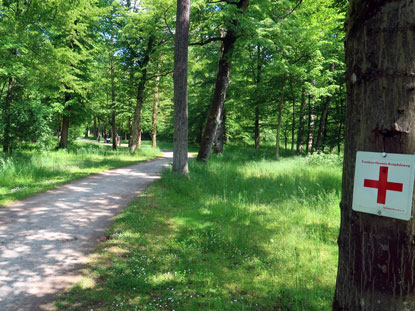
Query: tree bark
(7, 117)
(218, 145)
(311, 118)
(302, 121)
(95, 129)
(154, 118)
(376, 269)
(63, 143)
(136, 126)
(323, 117)
(280, 109)
(293, 119)
(257, 103)
(180, 140)
(222, 82)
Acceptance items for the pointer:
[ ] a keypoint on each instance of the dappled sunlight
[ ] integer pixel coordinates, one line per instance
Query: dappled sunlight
(44, 239)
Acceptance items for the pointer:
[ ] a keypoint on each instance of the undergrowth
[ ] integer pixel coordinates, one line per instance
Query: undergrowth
(26, 172)
(243, 232)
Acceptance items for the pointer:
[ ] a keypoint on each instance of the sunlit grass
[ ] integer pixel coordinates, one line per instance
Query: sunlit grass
(29, 172)
(242, 233)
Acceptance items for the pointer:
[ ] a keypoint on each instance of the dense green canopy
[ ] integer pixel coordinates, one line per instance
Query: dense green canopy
(67, 66)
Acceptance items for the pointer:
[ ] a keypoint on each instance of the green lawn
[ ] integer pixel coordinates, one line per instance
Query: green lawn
(26, 173)
(242, 233)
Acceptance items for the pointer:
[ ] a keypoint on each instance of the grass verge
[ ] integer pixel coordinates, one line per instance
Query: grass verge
(242, 233)
(30, 172)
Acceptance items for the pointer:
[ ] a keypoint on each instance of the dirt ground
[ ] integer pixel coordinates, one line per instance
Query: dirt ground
(46, 239)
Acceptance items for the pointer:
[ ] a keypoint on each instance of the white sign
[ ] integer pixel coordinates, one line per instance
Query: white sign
(384, 184)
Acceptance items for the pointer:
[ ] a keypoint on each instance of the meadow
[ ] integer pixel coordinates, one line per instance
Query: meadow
(243, 232)
(28, 172)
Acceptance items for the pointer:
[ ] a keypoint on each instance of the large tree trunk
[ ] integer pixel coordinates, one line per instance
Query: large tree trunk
(180, 147)
(136, 126)
(154, 118)
(7, 117)
(222, 82)
(218, 145)
(280, 108)
(376, 268)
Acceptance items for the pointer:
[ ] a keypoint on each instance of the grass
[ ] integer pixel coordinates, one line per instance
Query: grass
(30, 172)
(242, 233)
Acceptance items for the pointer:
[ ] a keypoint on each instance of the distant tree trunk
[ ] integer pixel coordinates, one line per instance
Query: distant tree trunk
(311, 119)
(222, 82)
(302, 121)
(63, 143)
(95, 129)
(293, 119)
(339, 125)
(99, 127)
(154, 118)
(87, 131)
(180, 147)
(136, 126)
(257, 80)
(286, 130)
(376, 269)
(7, 117)
(280, 109)
(323, 117)
(257, 137)
(113, 123)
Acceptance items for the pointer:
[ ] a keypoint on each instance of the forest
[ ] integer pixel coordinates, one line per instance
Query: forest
(89, 67)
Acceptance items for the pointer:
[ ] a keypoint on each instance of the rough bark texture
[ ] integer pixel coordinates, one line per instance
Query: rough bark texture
(377, 254)
(180, 146)
(154, 117)
(218, 145)
(280, 108)
(7, 117)
(136, 124)
(222, 82)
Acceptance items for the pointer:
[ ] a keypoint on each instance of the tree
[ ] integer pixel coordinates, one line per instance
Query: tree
(376, 254)
(180, 87)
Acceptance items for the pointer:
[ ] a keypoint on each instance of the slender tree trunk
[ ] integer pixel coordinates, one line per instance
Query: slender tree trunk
(302, 122)
(154, 118)
(63, 143)
(376, 269)
(113, 123)
(222, 82)
(323, 117)
(294, 116)
(99, 128)
(340, 126)
(136, 126)
(257, 137)
(311, 119)
(180, 147)
(95, 128)
(257, 81)
(280, 109)
(7, 117)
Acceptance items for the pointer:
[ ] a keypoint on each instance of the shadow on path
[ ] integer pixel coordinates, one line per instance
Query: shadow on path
(45, 239)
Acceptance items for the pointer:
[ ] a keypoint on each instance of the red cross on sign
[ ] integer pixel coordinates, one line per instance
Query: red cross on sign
(383, 184)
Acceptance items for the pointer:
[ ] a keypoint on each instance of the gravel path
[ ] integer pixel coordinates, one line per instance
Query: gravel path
(45, 240)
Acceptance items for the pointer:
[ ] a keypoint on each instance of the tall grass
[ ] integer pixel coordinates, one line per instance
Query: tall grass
(28, 172)
(244, 232)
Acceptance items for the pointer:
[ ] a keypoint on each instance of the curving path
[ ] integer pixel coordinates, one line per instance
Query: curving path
(44, 240)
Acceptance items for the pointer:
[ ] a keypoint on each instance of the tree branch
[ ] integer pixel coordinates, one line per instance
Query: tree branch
(213, 39)
(291, 11)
